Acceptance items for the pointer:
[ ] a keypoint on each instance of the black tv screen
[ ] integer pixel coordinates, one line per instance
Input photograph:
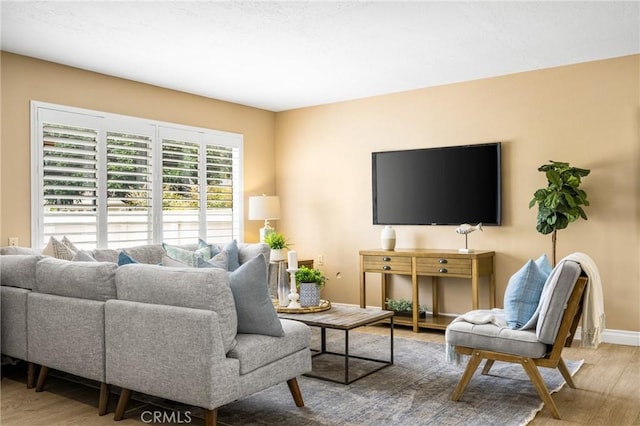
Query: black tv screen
(438, 186)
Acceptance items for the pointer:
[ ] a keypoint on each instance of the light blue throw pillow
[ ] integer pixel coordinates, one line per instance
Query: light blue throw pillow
(234, 256)
(256, 313)
(188, 257)
(523, 294)
(543, 263)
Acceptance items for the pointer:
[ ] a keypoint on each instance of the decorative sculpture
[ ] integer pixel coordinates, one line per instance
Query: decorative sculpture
(465, 229)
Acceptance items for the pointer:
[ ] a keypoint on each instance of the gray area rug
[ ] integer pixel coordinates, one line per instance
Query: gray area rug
(416, 390)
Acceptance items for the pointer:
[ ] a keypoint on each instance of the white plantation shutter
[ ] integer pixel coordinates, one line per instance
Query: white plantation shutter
(69, 182)
(129, 189)
(200, 187)
(105, 180)
(221, 172)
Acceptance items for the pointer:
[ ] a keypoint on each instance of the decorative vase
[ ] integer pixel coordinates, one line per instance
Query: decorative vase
(388, 238)
(276, 255)
(309, 294)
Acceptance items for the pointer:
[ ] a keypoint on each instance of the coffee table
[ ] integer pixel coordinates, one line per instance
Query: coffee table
(346, 318)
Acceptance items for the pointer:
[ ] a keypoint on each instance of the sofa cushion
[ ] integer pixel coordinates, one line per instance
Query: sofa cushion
(254, 351)
(492, 337)
(247, 252)
(186, 287)
(554, 299)
(13, 250)
(105, 255)
(256, 313)
(522, 294)
(85, 280)
(19, 270)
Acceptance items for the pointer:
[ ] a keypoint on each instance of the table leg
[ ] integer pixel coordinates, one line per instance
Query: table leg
(346, 356)
(323, 340)
(391, 337)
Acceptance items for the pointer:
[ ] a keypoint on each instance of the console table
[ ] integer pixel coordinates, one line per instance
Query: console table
(428, 262)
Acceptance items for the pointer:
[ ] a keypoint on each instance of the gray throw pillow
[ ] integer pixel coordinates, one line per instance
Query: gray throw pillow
(256, 314)
(220, 260)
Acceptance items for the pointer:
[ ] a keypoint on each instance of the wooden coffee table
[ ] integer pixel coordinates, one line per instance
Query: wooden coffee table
(344, 317)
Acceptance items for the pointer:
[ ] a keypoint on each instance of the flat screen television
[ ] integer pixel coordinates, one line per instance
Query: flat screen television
(438, 186)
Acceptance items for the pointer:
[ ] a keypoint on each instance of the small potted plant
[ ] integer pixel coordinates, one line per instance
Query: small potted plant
(277, 242)
(404, 308)
(309, 283)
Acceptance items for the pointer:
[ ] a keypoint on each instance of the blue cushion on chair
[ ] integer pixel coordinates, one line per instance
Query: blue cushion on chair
(543, 263)
(523, 294)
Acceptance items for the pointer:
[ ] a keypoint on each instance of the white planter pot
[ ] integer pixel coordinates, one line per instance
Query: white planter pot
(276, 255)
(309, 294)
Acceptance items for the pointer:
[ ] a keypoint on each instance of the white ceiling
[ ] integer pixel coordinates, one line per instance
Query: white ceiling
(285, 55)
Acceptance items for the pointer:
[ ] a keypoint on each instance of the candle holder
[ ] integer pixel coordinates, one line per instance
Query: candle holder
(294, 297)
(283, 287)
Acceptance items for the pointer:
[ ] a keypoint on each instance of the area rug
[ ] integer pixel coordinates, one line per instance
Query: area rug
(416, 390)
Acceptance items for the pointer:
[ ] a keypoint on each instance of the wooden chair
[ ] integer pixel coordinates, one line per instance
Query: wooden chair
(550, 359)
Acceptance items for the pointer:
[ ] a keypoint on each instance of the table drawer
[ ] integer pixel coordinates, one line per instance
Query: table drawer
(391, 264)
(443, 266)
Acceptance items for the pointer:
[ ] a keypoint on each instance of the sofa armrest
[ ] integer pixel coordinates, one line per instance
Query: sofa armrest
(13, 320)
(170, 352)
(67, 334)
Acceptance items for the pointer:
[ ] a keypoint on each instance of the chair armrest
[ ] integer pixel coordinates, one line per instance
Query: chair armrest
(168, 351)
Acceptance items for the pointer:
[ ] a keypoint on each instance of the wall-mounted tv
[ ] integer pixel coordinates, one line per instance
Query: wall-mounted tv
(438, 186)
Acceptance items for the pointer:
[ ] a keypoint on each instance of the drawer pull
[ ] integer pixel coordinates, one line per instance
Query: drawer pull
(386, 259)
(443, 270)
(386, 267)
(442, 261)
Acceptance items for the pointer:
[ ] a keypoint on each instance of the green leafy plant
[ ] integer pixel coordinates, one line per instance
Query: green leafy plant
(402, 306)
(307, 275)
(276, 241)
(560, 202)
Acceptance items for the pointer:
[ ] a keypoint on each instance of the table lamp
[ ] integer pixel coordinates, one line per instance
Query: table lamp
(264, 207)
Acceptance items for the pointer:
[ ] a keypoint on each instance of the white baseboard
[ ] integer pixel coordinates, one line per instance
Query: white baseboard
(618, 337)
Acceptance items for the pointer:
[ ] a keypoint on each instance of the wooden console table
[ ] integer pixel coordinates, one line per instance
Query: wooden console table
(433, 263)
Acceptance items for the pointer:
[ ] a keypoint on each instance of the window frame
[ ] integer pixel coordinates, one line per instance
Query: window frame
(105, 122)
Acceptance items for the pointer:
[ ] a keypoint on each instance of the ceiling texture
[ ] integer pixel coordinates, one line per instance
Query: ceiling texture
(285, 55)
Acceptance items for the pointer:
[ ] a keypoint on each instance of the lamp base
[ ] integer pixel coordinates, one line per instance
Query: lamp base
(264, 231)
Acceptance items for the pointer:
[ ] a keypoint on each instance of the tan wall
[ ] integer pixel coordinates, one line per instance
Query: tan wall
(25, 79)
(585, 114)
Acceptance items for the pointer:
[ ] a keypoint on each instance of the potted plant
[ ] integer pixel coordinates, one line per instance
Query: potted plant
(404, 308)
(559, 203)
(309, 283)
(277, 242)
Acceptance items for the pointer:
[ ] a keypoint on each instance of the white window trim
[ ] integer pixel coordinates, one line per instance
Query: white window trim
(234, 140)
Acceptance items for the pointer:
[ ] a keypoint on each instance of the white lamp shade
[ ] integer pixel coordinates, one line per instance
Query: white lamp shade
(264, 207)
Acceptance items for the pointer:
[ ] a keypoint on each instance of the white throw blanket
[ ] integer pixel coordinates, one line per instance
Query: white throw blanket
(593, 302)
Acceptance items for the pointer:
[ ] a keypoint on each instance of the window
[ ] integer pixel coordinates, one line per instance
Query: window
(105, 180)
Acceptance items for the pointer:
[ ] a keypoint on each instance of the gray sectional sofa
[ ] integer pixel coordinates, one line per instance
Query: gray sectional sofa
(199, 336)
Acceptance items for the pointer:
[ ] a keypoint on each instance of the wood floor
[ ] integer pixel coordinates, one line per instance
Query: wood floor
(608, 393)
